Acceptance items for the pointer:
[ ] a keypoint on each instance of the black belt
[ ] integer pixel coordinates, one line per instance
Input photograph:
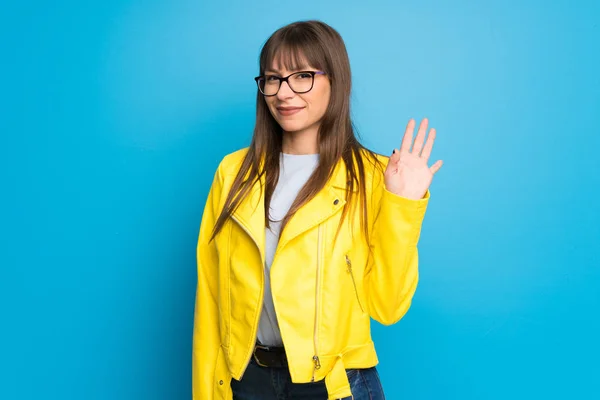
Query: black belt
(268, 356)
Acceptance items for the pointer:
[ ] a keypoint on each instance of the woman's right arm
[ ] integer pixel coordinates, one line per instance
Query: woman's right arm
(206, 341)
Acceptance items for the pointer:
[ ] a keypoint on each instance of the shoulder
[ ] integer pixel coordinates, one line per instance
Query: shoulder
(373, 162)
(373, 166)
(231, 162)
(382, 159)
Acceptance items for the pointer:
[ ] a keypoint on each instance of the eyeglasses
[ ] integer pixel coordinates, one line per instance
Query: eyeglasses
(299, 82)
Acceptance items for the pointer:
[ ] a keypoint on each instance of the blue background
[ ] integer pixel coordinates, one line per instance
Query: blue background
(115, 114)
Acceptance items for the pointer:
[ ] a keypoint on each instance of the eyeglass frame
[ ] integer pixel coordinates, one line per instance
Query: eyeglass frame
(285, 79)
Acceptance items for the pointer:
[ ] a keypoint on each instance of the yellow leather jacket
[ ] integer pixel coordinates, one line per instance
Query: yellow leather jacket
(324, 294)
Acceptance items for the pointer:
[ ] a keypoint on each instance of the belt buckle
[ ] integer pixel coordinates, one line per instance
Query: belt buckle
(258, 346)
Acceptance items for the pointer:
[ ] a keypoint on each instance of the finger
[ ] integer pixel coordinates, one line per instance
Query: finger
(436, 167)
(428, 145)
(393, 161)
(408, 136)
(418, 146)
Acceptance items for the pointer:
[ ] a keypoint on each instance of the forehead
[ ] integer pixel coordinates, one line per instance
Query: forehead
(287, 61)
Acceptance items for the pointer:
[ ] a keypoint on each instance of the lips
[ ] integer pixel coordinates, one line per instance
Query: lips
(289, 110)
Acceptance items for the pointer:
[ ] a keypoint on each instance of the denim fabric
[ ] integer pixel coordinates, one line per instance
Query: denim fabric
(259, 383)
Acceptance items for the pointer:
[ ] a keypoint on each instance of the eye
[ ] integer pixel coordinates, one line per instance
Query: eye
(304, 75)
(271, 78)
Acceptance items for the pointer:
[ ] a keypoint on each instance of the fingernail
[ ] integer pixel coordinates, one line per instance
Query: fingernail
(394, 152)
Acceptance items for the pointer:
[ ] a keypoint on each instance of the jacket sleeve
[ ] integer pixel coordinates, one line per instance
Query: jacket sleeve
(206, 341)
(392, 273)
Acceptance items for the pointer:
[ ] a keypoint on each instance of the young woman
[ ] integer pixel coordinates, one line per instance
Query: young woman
(305, 236)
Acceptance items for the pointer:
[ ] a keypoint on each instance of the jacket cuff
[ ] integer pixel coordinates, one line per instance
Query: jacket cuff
(402, 215)
(404, 201)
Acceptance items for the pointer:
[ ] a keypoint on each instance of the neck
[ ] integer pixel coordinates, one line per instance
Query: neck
(301, 142)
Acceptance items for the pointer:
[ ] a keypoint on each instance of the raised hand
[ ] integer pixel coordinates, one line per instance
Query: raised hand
(407, 173)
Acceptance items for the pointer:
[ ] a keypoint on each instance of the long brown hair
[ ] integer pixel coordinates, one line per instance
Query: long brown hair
(320, 46)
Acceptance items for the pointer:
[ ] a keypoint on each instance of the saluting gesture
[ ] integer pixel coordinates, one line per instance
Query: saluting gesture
(407, 173)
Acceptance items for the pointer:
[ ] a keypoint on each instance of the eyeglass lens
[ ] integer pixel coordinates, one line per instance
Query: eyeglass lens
(299, 82)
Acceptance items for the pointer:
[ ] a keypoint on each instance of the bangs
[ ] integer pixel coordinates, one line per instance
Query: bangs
(293, 54)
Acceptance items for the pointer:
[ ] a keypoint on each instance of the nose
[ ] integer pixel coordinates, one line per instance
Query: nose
(285, 92)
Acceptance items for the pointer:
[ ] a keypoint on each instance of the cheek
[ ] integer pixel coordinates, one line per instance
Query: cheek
(270, 105)
(320, 102)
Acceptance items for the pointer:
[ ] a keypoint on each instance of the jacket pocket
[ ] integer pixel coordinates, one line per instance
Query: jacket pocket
(354, 283)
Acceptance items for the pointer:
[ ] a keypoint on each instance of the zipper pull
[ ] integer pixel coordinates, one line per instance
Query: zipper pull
(348, 263)
(317, 362)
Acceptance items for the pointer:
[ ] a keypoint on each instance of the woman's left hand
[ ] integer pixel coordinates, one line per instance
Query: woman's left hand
(407, 173)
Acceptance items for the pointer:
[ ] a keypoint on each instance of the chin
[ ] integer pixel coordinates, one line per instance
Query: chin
(292, 127)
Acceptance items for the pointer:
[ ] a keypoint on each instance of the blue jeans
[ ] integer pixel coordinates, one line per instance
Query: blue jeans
(260, 383)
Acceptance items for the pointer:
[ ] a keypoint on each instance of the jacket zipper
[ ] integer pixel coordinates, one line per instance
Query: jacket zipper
(262, 284)
(316, 360)
(349, 263)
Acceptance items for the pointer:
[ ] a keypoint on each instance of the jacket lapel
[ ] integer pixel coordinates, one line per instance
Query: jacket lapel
(323, 206)
(250, 214)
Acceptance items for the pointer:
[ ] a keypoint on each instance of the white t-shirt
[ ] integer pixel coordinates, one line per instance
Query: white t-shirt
(294, 172)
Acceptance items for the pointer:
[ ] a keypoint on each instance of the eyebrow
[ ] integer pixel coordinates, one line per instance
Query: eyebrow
(297, 69)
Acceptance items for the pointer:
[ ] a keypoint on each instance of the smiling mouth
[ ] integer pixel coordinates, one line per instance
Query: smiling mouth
(289, 110)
